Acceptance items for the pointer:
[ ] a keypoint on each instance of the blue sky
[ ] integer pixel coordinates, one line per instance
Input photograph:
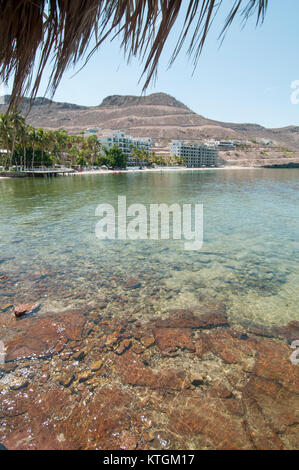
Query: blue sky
(247, 79)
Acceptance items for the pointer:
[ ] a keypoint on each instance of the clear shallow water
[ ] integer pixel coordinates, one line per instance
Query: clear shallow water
(249, 258)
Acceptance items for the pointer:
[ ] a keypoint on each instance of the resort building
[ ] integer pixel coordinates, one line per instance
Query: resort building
(195, 155)
(226, 145)
(127, 144)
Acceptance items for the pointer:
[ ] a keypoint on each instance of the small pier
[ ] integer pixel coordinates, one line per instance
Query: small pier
(49, 171)
(45, 172)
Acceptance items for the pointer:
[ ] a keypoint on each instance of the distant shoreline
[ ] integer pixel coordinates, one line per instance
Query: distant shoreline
(163, 169)
(157, 170)
(137, 170)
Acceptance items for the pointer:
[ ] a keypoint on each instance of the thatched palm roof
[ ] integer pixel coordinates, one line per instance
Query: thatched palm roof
(34, 31)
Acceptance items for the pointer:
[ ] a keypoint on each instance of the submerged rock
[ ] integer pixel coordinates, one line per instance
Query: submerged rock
(124, 345)
(169, 340)
(43, 336)
(24, 309)
(97, 365)
(5, 307)
(290, 332)
(132, 284)
(183, 382)
(193, 319)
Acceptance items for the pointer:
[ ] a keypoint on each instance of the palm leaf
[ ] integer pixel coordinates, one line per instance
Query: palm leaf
(36, 32)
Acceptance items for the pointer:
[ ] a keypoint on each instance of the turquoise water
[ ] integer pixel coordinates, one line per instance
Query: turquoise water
(249, 258)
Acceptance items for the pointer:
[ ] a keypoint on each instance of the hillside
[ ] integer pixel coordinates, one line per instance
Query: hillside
(159, 116)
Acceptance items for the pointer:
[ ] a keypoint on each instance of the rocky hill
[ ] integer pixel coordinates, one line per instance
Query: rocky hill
(157, 99)
(159, 116)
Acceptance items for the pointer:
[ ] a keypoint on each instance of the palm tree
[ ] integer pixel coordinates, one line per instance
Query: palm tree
(51, 145)
(5, 135)
(43, 142)
(141, 155)
(92, 148)
(32, 137)
(23, 141)
(18, 128)
(60, 145)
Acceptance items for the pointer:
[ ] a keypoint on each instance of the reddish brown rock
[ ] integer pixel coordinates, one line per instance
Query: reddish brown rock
(13, 404)
(232, 350)
(169, 340)
(137, 348)
(147, 340)
(84, 376)
(235, 406)
(67, 379)
(124, 345)
(259, 330)
(39, 337)
(201, 345)
(243, 394)
(127, 440)
(133, 372)
(260, 430)
(273, 364)
(106, 422)
(290, 332)
(207, 422)
(267, 393)
(192, 319)
(79, 355)
(24, 309)
(132, 284)
(112, 339)
(34, 420)
(219, 390)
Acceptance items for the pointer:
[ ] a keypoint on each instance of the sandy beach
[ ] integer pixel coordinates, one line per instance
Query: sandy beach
(158, 170)
(152, 170)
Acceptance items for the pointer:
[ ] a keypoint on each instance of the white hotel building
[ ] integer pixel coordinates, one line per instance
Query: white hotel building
(195, 155)
(127, 144)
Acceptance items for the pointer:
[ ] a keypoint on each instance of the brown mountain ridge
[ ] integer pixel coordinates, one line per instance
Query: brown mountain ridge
(158, 115)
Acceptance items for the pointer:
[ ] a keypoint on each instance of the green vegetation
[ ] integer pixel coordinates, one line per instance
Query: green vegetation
(157, 160)
(243, 146)
(172, 160)
(23, 146)
(141, 156)
(113, 158)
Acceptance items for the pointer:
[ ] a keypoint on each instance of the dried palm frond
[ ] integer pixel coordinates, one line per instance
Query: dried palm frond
(35, 32)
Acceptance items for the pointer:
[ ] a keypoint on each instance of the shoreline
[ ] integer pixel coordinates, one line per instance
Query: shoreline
(156, 170)
(138, 170)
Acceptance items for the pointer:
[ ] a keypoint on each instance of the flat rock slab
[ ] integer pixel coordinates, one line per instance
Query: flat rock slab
(192, 319)
(24, 309)
(132, 284)
(169, 340)
(43, 336)
(188, 381)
